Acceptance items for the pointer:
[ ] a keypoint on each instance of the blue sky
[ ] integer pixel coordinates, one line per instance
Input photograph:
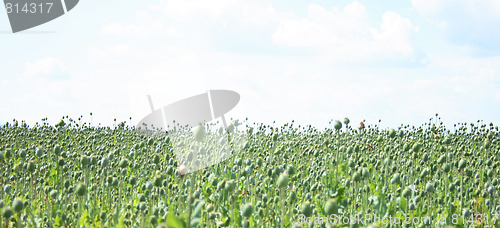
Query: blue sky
(308, 61)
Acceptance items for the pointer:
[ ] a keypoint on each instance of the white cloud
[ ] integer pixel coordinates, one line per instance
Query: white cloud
(347, 34)
(49, 66)
(118, 50)
(469, 24)
(143, 25)
(219, 12)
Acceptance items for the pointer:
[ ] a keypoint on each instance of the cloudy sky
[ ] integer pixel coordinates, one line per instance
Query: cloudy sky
(308, 61)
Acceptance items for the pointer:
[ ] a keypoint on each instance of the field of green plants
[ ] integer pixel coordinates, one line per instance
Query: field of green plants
(72, 175)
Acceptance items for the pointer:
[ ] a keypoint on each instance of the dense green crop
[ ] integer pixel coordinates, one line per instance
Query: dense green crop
(71, 175)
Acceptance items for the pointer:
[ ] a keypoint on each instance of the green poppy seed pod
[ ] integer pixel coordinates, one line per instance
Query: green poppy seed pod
(337, 125)
(306, 208)
(290, 169)
(416, 147)
(451, 187)
(230, 186)
(351, 164)
(346, 121)
(132, 180)
(149, 185)
(397, 178)
(156, 158)
(230, 128)
(17, 168)
(468, 173)
(489, 162)
(142, 198)
(416, 200)
(104, 162)
(8, 154)
(446, 168)
(490, 173)
(424, 173)
(462, 164)
(487, 144)
(39, 152)
(53, 194)
(407, 192)
(246, 210)
(265, 198)
(366, 173)
(275, 137)
(60, 161)
(153, 220)
(158, 181)
(199, 133)
(81, 189)
(293, 196)
(142, 206)
(93, 160)
(7, 212)
(356, 177)
(392, 133)
(18, 205)
(433, 128)
(429, 188)
(31, 166)
(57, 150)
(331, 207)
(441, 159)
(85, 161)
(466, 213)
(22, 153)
(283, 180)
(123, 163)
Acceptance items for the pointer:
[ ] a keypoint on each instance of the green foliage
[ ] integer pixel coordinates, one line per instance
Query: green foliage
(69, 176)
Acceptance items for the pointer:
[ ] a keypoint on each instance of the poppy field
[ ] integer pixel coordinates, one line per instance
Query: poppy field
(77, 175)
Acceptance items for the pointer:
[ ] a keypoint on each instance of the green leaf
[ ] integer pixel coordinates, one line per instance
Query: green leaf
(97, 222)
(224, 210)
(287, 221)
(195, 222)
(173, 221)
(85, 219)
(198, 208)
(225, 222)
(403, 203)
(58, 222)
(392, 208)
(375, 201)
(120, 224)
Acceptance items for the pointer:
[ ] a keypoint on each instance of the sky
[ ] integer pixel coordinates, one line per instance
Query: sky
(397, 61)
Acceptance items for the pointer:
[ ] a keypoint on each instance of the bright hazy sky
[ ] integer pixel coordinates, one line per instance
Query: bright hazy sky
(308, 61)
